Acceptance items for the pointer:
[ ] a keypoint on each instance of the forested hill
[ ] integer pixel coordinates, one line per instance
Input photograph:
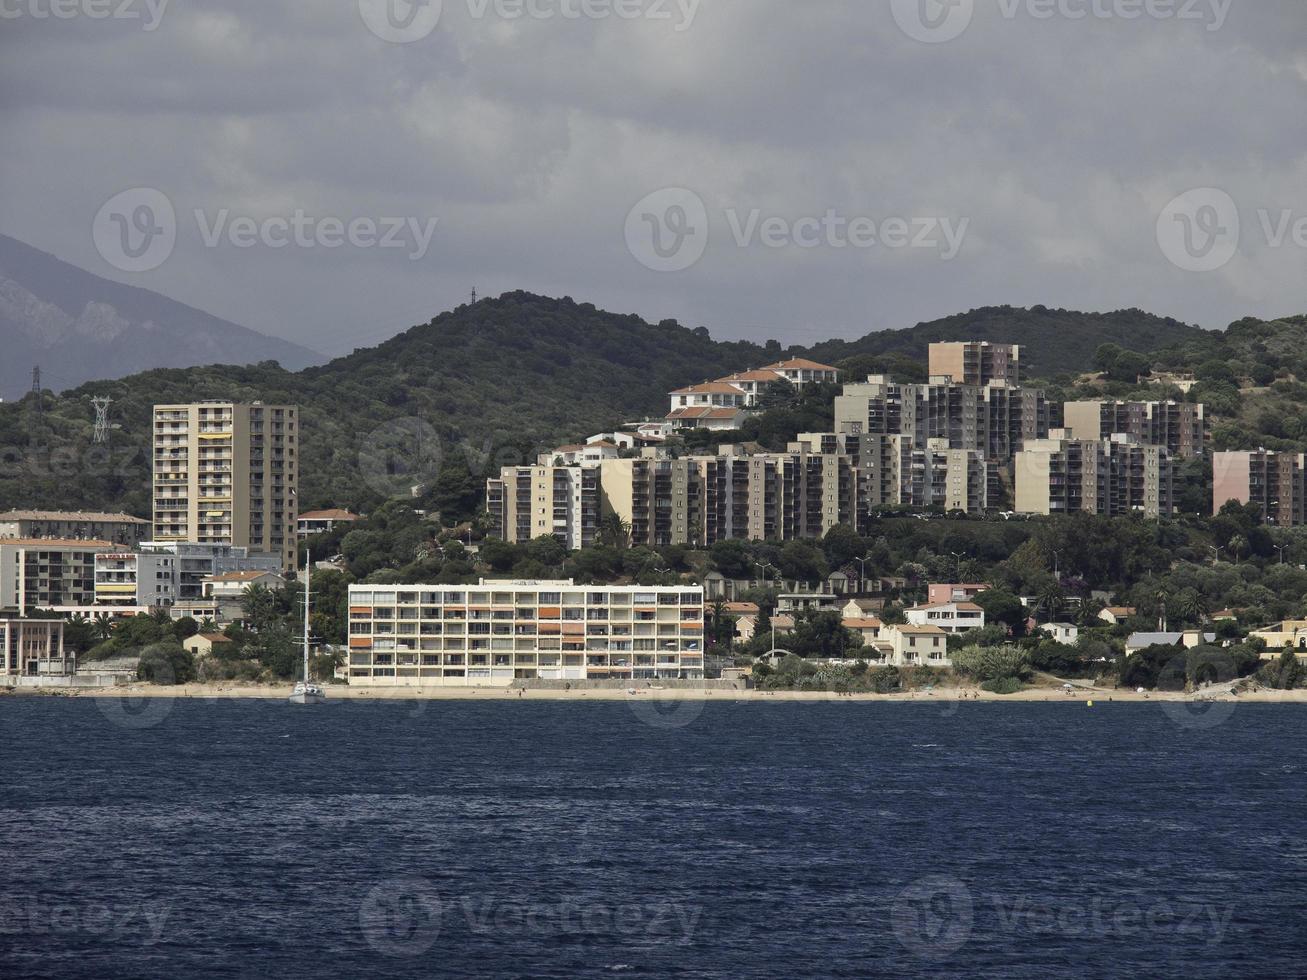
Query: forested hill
(1052, 341)
(492, 381)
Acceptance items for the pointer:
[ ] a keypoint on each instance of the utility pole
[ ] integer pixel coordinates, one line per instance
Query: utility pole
(36, 389)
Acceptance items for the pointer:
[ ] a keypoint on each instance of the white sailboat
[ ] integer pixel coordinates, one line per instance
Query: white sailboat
(306, 692)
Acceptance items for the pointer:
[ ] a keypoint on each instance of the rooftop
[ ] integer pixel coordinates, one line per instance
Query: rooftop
(84, 516)
(334, 514)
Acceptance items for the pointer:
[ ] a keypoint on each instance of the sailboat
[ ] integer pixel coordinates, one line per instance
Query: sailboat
(306, 692)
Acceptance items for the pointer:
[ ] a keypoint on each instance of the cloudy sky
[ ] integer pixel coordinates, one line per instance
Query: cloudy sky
(767, 168)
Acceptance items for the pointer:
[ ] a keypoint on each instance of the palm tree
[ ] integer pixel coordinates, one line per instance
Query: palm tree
(615, 532)
(102, 626)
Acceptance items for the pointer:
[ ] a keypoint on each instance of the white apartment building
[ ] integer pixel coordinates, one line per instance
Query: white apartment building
(227, 473)
(125, 578)
(34, 648)
(951, 617)
(499, 631)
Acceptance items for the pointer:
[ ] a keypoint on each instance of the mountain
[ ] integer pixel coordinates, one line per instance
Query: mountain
(1053, 341)
(80, 327)
(491, 383)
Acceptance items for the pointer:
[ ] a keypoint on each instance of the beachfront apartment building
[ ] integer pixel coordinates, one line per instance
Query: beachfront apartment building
(121, 529)
(227, 473)
(1179, 426)
(1111, 478)
(529, 502)
(34, 648)
(1275, 481)
(43, 573)
(975, 362)
(496, 632)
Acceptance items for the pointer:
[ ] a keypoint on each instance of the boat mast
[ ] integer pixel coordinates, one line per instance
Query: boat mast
(306, 618)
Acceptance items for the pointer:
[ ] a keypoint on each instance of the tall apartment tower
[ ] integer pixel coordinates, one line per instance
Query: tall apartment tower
(227, 473)
(1179, 426)
(976, 362)
(528, 502)
(1112, 477)
(1275, 481)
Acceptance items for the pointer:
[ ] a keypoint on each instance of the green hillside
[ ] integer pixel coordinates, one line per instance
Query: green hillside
(1053, 341)
(489, 384)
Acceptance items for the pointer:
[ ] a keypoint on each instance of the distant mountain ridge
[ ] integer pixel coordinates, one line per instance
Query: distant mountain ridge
(81, 327)
(494, 381)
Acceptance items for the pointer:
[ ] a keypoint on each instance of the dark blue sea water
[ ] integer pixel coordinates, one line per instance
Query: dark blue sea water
(519, 839)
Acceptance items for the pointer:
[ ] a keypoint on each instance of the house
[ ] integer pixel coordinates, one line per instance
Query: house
(702, 417)
(753, 384)
(955, 592)
(223, 592)
(918, 646)
(800, 371)
(866, 628)
(1064, 633)
(1290, 633)
(789, 602)
(1224, 616)
(861, 608)
(952, 617)
(590, 454)
(1188, 639)
(202, 644)
(322, 521)
(1116, 615)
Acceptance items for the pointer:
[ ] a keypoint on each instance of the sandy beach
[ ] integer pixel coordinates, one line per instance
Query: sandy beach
(342, 692)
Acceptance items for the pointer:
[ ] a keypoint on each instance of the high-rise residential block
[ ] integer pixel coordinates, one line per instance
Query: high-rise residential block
(1179, 426)
(528, 502)
(227, 473)
(500, 631)
(47, 572)
(1112, 478)
(1275, 481)
(976, 362)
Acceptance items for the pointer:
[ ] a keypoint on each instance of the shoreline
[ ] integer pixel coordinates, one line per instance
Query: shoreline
(279, 692)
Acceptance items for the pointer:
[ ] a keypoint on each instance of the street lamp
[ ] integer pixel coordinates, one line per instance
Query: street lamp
(862, 575)
(1281, 548)
(959, 557)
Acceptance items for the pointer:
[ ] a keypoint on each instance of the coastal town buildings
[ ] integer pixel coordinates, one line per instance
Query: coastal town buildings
(42, 573)
(34, 648)
(1275, 481)
(120, 529)
(226, 473)
(1111, 478)
(952, 616)
(528, 502)
(1181, 427)
(975, 362)
(499, 631)
(322, 522)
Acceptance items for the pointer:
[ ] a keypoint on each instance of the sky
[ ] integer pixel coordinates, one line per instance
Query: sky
(334, 172)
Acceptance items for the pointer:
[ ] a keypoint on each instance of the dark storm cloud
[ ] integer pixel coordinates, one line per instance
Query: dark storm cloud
(1058, 139)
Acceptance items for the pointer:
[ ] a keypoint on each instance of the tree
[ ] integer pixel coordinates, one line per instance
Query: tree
(165, 663)
(1005, 609)
(993, 663)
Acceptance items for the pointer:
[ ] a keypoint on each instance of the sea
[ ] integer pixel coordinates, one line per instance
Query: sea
(511, 838)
